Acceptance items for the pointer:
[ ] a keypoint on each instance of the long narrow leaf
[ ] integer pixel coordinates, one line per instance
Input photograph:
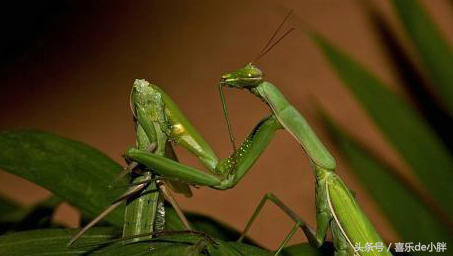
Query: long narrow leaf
(185, 244)
(430, 45)
(53, 242)
(306, 249)
(411, 78)
(411, 218)
(75, 172)
(410, 135)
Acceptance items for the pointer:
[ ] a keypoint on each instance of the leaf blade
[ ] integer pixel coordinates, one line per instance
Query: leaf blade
(75, 172)
(413, 139)
(399, 203)
(430, 45)
(52, 242)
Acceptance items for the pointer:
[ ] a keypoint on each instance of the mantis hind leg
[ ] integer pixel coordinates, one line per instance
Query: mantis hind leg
(315, 239)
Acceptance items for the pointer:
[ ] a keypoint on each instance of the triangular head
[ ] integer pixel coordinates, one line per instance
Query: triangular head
(247, 77)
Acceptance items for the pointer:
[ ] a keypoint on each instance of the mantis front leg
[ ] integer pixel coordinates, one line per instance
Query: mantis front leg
(225, 174)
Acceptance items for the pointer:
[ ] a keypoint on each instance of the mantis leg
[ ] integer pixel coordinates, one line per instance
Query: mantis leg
(315, 239)
(132, 191)
(225, 174)
(169, 168)
(169, 197)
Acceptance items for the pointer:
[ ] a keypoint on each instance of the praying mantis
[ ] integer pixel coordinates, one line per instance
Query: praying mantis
(336, 206)
(158, 121)
(145, 212)
(335, 203)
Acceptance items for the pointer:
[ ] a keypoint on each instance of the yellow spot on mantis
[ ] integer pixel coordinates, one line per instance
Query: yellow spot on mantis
(178, 129)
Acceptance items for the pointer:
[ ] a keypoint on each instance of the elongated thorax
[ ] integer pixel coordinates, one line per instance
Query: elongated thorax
(295, 124)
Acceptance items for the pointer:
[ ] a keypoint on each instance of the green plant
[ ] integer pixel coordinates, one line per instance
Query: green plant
(420, 136)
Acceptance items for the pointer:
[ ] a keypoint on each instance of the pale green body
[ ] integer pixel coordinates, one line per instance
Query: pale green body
(336, 207)
(160, 120)
(145, 212)
(334, 201)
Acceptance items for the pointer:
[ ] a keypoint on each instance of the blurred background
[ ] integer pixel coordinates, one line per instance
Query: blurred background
(68, 66)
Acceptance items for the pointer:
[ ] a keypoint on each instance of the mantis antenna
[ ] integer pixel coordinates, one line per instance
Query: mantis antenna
(269, 46)
(274, 44)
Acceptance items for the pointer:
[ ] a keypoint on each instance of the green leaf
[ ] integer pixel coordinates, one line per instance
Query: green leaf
(410, 217)
(185, 244)
(143, 249)
(205, 224)
(53, 242)
(430, 45)
(410, 135)
(306, 249)
(75, 172)
(223, 248)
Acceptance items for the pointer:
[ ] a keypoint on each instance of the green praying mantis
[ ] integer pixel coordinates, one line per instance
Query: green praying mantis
(158, 121)
(336, 206)
(145, 212)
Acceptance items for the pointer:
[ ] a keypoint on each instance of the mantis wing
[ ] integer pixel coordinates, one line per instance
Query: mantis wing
(350, 218)
(176, 186)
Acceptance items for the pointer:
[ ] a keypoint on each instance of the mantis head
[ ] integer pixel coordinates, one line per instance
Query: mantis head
(247, 77)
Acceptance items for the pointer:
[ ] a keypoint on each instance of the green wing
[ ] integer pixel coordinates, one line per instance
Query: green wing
(184, 133)
(353, 223)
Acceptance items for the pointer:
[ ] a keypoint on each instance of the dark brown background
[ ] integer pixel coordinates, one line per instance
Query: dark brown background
(67, 67)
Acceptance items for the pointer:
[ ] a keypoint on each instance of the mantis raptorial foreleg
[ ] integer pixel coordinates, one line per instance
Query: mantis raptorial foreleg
(336, 207)
(221, 174)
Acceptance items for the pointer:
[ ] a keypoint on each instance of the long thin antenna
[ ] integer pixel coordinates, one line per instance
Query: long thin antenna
(274, 35)
(227, 118)
(274, 44)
